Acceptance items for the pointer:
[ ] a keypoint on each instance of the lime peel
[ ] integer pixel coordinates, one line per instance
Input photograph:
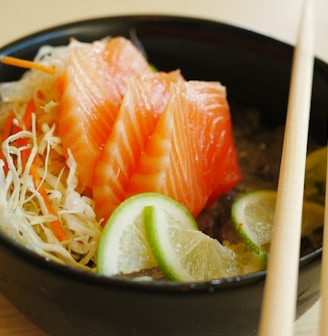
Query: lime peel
(159, 237)
(252, 214)
(123, 246)
(152, 230)
(185, 253)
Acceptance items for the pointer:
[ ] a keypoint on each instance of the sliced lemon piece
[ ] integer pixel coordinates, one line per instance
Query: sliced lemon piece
(184, 253)
(252, 214)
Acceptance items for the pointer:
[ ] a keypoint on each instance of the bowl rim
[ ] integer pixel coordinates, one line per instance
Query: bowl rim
(95, 279)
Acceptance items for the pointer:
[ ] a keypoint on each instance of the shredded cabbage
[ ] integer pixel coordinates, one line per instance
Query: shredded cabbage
(23, 213)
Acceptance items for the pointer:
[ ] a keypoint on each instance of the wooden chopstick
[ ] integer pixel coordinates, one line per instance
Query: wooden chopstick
(324, 269)
(280, 290)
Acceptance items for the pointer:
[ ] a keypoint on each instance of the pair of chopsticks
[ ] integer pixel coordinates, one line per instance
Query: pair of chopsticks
(280, 291)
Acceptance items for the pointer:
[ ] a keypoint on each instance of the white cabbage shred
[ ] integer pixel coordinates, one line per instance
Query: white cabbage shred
(24, 216)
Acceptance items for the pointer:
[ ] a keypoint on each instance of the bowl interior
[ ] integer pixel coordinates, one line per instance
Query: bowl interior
(254, 68)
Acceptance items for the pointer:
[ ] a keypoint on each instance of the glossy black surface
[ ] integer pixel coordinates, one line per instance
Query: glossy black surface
(64, 301)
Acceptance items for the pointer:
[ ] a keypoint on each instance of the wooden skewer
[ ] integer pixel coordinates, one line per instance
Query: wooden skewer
(280, 291)
(324, 270)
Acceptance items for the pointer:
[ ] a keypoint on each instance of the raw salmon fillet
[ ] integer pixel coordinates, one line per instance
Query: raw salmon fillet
(93, 86)
(143, 103)
(191, 155)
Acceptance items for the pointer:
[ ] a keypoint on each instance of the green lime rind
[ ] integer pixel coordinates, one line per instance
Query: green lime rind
(251, 261)
(252, 216)
(184, 253)
(152, 230)
(123, 246)
(243, 211)
(160, 242)
(261, 265)
(256, 232)
(257, 262)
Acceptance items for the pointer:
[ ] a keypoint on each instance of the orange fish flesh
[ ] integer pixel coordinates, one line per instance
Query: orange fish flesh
(144, 102)
(93, 87)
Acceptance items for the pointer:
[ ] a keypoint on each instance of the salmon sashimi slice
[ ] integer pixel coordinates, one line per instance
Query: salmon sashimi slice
(143, 103)
(191, 155)
(93, 86)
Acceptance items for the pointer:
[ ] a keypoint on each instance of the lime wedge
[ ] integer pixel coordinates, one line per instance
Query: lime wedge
(150, 230)
(123, 247)
(252, 215)
(184, 253)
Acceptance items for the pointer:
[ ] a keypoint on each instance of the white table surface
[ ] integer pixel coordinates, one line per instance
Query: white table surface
(278, 18)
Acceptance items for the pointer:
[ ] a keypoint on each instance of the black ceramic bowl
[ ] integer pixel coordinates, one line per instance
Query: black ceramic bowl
(66, 301)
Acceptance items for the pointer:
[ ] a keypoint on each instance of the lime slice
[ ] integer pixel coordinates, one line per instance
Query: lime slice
(252, 215)
(123, 247)
(150, 230)
(315, 175)
(184, 253)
